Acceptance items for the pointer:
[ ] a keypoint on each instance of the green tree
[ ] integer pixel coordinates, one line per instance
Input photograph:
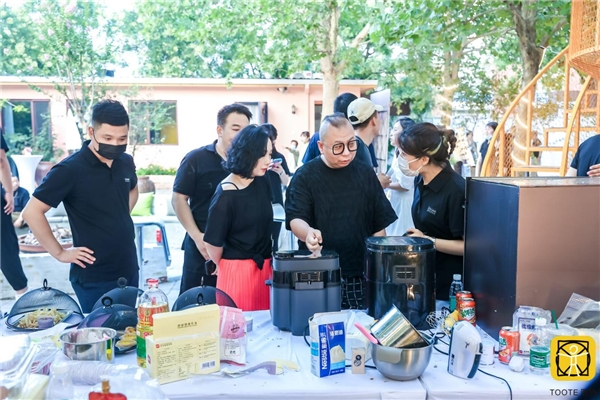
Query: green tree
(70, 43)
(253, 39)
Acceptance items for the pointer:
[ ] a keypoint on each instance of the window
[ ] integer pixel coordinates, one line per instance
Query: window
(318, 116)
(153, 122)
(25, 117)
(259, 110)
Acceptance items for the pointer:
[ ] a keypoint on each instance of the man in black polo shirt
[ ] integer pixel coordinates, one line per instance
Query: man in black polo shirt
(98, 188)
(197, 178)
(587, 159)
(10, 263)
(335, 202)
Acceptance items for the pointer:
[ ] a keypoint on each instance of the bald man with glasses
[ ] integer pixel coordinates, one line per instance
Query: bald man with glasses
(335, 202)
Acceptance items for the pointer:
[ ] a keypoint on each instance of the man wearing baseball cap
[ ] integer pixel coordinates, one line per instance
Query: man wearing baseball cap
(362, 114)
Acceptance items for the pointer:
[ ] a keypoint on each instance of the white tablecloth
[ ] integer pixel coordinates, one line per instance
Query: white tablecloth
(267, 342)
(439, 384)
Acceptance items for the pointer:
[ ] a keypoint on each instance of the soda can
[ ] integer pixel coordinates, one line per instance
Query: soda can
(463, 294)
(509, 344)
(466, 310)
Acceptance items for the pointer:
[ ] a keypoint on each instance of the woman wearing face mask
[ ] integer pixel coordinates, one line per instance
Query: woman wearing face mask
(438, 204)
(238, 229)
(401, 188)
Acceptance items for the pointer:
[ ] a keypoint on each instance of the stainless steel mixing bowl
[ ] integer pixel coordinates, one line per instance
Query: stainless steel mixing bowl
(89, 344)
(401, 364)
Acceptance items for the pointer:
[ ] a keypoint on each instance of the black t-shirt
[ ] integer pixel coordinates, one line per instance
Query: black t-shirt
(438, 211)
(346, 204)
(484, 148)
(3, 146)
(198, 177)
(362, 153)
(240, 221)
(21, 196)
(588, 154)
(96, 199)
(275, 180)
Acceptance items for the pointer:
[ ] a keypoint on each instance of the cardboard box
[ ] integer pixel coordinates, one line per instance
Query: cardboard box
(184, 343)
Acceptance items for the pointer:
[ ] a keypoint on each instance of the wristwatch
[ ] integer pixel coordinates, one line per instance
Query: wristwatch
(434, 240)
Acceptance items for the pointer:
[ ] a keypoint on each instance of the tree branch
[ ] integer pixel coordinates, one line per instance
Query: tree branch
(562, 22)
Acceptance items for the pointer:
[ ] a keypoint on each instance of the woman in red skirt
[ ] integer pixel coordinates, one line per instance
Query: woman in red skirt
(238, 230)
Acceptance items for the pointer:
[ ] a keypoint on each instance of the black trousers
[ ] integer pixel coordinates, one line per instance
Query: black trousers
(88, 293)
(10, 263)
(194, 271)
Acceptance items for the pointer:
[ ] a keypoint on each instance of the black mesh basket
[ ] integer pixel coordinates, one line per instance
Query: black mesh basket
(200, 296)
(43, 302)
(124, 294)
(119, 317)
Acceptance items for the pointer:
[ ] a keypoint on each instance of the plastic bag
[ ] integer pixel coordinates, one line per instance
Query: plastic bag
(233, 336)
(91, 372)
(581, 312)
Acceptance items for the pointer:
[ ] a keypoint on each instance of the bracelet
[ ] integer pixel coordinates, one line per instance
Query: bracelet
(434, 240)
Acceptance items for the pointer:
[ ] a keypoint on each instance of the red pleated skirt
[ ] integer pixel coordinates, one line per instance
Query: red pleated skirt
(245, 283)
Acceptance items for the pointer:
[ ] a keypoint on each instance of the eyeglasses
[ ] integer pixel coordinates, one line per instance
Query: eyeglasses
(339, 148)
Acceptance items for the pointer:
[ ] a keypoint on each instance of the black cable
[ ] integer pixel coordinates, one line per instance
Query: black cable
(497, 377)
(439, 351)
(306, 340)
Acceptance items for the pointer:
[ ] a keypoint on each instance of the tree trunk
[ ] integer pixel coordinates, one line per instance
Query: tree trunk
(452, 60)
(331, 88)
(524, 16)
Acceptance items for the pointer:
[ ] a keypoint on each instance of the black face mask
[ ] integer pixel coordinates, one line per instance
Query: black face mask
(110, 151)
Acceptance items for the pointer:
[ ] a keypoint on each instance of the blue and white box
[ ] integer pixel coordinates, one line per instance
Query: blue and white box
(328, 344)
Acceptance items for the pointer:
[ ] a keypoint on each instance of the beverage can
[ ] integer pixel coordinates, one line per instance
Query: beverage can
(463, 294)
(509, 344)
(466, 310)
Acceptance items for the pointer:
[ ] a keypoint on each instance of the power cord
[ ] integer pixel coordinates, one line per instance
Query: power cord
(497, 377)
(478, 369)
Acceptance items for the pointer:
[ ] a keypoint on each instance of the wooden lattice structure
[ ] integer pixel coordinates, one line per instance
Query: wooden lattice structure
(557, 110)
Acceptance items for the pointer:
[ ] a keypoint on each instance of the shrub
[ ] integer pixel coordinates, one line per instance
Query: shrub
(153, 169)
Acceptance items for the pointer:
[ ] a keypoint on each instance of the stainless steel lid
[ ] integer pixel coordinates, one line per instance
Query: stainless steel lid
(398, 243)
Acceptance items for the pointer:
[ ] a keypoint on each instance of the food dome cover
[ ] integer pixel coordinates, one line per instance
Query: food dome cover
(114, 316)
(202, 295)
(124, 294)
(44, 301)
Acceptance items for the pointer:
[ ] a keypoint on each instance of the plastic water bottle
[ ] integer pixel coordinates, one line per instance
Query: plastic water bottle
(60, 386)
(539, 353)
(455, 287)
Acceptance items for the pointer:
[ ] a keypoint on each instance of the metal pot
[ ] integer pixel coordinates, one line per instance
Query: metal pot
(89, 344)
(401, 364)
(394, 330)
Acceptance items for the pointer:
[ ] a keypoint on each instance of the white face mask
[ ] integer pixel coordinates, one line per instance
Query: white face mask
(404, 167)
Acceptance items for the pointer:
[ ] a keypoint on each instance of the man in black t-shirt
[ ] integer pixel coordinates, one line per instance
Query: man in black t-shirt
(587, 159)
(489, 133)
(197, 178)
(335, 202)
(98, 187)
(10, 263)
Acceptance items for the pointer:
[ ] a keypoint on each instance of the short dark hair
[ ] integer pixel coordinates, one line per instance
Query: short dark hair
(294, 141)
(427, 140)
(231, 109)
(249, 145)
(109, 112)
(405, 122)
(337, 120)
(341, 103)
(272, 131)
(493, 124)
(366, 122)
(305, 133)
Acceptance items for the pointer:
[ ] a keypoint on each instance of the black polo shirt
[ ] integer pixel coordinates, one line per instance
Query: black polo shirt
(198, 177)
(484, 149)
(438, 211)
(588, 154)
(96, 199)
(3, 146)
